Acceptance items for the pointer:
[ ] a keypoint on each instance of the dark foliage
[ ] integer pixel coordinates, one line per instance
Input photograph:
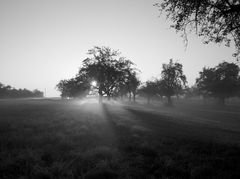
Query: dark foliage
(114, 75)
(172, 82)
(77, 87)
(10, 92)
(215, 21)
(220, 82)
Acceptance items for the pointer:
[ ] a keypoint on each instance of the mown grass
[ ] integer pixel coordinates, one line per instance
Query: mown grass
(55, 139)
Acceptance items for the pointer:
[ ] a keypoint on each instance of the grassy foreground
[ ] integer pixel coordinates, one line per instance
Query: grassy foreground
(77, 139)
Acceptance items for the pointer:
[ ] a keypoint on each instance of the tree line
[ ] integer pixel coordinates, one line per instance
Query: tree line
(117, 77)
(219, 82)
(6, 91)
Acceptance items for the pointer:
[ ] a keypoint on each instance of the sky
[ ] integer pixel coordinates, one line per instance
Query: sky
(44, 41)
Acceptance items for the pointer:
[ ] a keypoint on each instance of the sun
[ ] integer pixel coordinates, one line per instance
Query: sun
(94, 83)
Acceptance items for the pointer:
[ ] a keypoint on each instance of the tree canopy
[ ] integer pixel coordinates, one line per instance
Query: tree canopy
(77, 87)
(215, 21)
(173, 80)
(149, 90)
(112, 73)
(220, 82)
(108, 69)
(171, 83)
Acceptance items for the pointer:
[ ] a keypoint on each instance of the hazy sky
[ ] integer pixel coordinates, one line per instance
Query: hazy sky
(44, 41)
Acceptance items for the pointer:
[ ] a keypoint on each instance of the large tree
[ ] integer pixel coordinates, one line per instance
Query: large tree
(107, 68)
(220, 82)
(215, 20)
(173, 80)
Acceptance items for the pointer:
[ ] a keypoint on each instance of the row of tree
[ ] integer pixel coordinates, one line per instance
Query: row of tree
(115, 76)
(172, 82)
(7, 91)
(219, 82)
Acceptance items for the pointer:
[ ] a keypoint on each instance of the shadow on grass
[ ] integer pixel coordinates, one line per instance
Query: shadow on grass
(50, 149)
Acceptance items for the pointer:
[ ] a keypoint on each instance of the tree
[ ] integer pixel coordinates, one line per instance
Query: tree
(220, 82)
(173, 80)
(215, 20)
(77, 87)
(63, 88)
(132, 83)
(149, 90)
(38, 93)
(107, 69)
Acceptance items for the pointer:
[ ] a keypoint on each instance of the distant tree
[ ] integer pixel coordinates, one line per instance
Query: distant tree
(132, 83)
(220, 82)
(172, 80)
(215, 20)
(10, 92)
(149, 90)
(191, 92)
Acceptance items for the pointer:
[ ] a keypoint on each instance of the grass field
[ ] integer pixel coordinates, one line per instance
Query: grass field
(46, 138)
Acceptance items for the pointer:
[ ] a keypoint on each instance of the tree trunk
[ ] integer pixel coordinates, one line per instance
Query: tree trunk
(148, 99)
(134, 97)
(100, 96)
(221, 101)
(130, 96)
(108, 97)
(169, 100)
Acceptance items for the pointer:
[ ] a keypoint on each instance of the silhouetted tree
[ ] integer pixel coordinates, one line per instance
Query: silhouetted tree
(220, 82)
(149, 90)
(132, 83)
(216, 20)
(107, 68)
(63, 88)
(173, 80)
(77, 87)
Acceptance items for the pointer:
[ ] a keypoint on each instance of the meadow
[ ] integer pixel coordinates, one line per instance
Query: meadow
(53, 138)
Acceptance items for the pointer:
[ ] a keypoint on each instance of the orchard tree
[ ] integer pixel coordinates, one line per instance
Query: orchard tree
(149, 90)
(63, 88)
(220, 82)
(132, 83)
(215, 20)
(106, 68)
(191, 92)
(172, 80)
(114, 75)
(77, 87)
